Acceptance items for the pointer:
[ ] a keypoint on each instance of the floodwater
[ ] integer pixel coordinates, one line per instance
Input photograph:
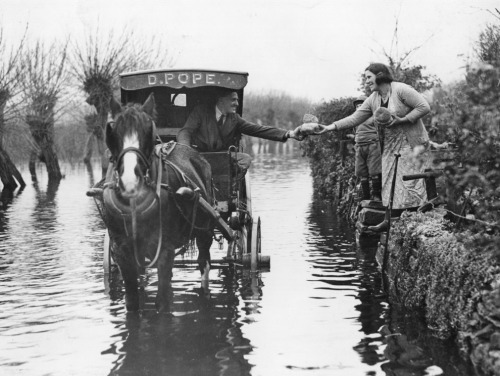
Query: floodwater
(319, 310)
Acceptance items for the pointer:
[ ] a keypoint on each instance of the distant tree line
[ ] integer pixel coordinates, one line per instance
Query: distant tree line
(44, 84)
(276, 109)
(54, 98)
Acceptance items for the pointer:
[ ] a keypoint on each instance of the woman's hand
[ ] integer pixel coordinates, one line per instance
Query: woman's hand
(397, 120)
(322, 129)
(326, 128)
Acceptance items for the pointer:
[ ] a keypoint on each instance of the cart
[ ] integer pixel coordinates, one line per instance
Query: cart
(176, 93)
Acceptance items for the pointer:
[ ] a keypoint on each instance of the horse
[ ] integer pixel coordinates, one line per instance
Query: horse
(146, 218)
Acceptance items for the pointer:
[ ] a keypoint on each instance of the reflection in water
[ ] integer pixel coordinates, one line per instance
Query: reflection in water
(351, 266)
(319, 311)
(45, 212)
(411, 349)
(46, 198)
(6, 198)
(396, 340)
(51, 308)
(201, 337)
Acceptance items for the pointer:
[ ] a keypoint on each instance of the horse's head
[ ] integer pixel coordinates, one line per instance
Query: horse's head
(130, 138)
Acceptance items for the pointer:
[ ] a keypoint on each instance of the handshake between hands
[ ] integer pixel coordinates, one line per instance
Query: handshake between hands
(306, 129)
(309, 127)
(311, 124)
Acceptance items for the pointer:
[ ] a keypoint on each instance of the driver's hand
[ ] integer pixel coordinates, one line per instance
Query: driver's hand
(297, 134)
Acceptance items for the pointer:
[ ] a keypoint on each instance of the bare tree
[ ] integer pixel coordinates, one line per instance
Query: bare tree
(402, 68)
(97, 63)
(11, 68)
(43, 84)
(495, 14)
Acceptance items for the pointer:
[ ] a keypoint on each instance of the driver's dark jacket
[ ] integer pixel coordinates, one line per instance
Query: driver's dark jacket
(201, 129)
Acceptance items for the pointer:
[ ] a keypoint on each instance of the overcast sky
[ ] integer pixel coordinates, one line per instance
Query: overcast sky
(315, 49)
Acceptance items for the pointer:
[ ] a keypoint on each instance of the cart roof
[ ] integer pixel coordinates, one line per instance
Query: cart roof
(183, 78)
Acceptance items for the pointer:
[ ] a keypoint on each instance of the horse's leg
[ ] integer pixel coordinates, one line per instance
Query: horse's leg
(165, 266)
(204, 241)
(130, 276)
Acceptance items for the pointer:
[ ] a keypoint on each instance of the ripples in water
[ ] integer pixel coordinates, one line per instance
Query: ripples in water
(319, 311)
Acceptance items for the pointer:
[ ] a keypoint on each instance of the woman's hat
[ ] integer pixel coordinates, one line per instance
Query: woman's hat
(382, 116)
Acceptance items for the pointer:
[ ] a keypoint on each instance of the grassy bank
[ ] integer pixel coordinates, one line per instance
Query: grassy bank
(454, 278)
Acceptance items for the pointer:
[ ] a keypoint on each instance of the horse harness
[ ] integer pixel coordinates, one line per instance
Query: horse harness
(161, 151)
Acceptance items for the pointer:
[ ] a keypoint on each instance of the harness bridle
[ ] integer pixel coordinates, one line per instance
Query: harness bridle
(137, 151)
(143, 158)
(133, 212)
(134, 208)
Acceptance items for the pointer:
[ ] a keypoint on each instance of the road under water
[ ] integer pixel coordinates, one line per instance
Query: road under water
(319, 310)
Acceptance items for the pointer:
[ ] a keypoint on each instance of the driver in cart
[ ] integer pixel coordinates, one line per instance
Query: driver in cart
(215, 127)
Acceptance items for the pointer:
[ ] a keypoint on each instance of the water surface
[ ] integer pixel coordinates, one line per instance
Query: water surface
(320, 310)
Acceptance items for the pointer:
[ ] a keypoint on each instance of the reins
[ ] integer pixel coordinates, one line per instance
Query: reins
(160, 232)
(134, 220)
(180, 174)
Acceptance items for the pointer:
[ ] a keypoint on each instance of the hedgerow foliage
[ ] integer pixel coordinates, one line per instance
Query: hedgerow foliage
(471, 113)
(468, 114)
(323, 151)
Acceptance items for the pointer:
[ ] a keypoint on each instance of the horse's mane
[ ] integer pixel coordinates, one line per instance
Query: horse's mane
(132, 118)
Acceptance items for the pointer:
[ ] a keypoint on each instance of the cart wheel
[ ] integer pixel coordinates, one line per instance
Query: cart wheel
(255, 244)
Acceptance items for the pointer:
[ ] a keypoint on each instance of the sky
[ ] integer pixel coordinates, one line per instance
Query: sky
(314, 49)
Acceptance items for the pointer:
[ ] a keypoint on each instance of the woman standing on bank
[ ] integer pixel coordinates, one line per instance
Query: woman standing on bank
(404, 134)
